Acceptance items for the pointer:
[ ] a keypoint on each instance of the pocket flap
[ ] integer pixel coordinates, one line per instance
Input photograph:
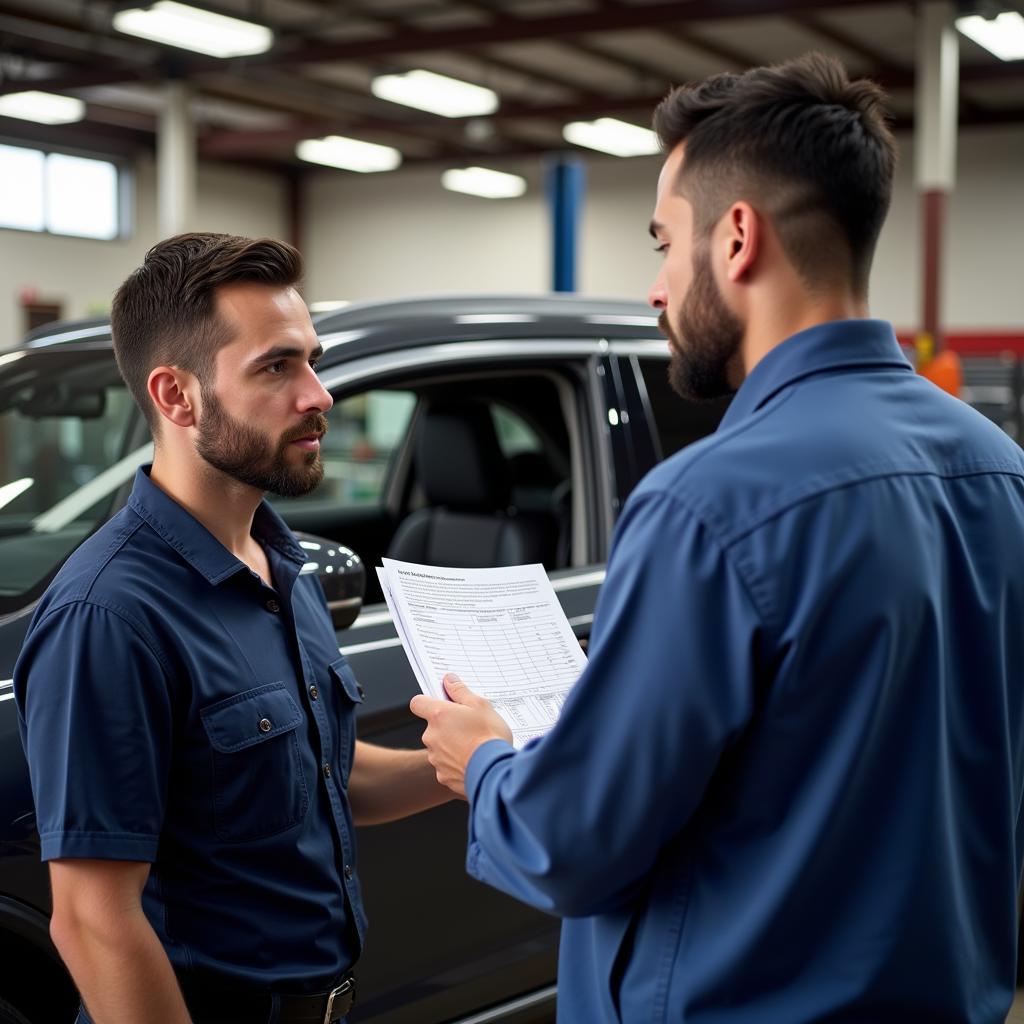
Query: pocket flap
(250, 717)
(342, 671)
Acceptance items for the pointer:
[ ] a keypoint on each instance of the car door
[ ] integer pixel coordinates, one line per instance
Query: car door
(440, 944)
(70, 439)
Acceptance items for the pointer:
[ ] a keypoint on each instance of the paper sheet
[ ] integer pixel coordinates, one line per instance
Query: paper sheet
(502, 631)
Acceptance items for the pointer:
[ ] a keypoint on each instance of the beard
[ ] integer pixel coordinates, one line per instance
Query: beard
(709, 337)
(251, 457)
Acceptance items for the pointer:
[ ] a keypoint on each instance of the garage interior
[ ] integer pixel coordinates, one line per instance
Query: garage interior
(153, 139)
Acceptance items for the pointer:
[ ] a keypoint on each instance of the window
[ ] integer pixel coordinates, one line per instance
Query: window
(514, 435)
(61, 194)
(363, 431)
(66, 433)
(678, 422)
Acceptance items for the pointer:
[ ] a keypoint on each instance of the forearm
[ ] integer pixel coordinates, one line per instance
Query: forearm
(120, 968)
(388, 784)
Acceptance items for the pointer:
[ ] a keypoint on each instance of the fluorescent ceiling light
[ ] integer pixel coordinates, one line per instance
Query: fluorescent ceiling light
(437, 93)
(13, 490)
(42, 107)
(612, 136)
(193, 29)
(349, 154)
(328, 305)
(479, 181)
(1002, 35)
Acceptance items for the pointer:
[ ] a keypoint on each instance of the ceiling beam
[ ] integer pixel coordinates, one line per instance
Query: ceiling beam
(589, 49)
(233, 142)
(78, 80)
(733, 58)
(506, 29)
(224, 142)
(844, 40)
(547, 77)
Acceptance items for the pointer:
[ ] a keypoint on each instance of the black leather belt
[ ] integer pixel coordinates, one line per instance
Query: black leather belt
(210, 1003)
(325, 1008)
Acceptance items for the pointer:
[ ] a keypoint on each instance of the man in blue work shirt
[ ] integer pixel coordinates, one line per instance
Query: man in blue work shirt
(787, 786)
(189, 723)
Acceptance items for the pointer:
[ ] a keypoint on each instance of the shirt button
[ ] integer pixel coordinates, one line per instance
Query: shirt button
(327, 771)
(348, 871)
(265, 725)
(314, 692)
(360, 691)
(273, 606)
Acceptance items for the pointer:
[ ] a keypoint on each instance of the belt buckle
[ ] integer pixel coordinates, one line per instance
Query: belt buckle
(340, 990)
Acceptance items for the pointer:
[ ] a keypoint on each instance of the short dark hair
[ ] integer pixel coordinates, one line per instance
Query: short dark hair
(165, 312)
(800, 140)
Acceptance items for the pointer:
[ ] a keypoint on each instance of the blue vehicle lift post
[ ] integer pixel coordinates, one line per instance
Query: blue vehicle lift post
(566, 179)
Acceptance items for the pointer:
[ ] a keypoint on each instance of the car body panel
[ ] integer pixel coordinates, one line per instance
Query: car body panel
(491, 954)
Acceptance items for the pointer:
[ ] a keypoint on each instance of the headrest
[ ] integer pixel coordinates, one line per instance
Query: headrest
(459, 460)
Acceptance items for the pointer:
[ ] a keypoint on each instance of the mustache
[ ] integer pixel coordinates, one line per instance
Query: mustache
(314, 424)
(666, 329)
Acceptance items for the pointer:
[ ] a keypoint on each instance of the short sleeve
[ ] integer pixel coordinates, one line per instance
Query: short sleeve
(95, 716)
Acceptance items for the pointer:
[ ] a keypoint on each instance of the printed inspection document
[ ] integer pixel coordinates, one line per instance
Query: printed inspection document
(501, 631)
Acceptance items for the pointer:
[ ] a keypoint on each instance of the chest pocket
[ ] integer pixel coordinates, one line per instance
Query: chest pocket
(259, 788)
(350, 696)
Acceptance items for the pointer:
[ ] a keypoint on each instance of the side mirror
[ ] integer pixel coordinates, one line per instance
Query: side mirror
(341, 574)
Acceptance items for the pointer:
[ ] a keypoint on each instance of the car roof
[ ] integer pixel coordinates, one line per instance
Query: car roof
(66, 332)
(367, 328)
(381, 325)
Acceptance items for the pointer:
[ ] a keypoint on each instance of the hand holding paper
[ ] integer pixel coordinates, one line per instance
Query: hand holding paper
(455, 728)
(501, 630)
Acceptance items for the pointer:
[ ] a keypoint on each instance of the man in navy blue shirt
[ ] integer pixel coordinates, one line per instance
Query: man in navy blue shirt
(189, 723)
(787, 787)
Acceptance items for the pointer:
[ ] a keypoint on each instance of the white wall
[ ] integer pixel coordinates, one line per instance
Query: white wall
(401, 234)
(82, 274)
(383, 235)
(398, 234)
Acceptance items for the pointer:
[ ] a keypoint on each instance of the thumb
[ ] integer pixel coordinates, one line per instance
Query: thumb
(459, 691)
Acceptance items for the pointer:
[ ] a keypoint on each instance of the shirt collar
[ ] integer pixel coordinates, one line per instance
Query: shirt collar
(831, 347)
(194, 542)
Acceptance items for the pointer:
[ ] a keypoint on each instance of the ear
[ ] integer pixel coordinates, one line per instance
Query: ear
(743, 236)
(170, 390)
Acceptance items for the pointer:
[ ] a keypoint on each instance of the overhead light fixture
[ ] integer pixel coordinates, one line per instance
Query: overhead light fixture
(349, 154)
(42, 107)
(1002, 35)
(480, 181)
(328, 305)
(8, 492)
(192, 28)
(610, 135)
(438, 94)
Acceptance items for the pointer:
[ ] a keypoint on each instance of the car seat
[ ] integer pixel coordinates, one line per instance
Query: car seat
(468, 521)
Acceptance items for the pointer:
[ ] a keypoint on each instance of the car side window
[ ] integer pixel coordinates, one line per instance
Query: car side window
(677, 421)
(63, 460)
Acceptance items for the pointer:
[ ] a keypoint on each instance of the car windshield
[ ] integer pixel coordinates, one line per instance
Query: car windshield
(66, 422)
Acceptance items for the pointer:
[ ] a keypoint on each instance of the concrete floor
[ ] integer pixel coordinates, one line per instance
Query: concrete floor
(1017, 1010)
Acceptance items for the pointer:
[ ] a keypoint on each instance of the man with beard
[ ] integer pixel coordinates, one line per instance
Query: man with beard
(787, 786)
(188, 721)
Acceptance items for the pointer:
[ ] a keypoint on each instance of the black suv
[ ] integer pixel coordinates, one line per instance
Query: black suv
(570, 398)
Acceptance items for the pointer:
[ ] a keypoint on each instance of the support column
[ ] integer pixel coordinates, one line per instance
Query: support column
(295, 195)
(935, 140)
(566, 184)
(176, 162)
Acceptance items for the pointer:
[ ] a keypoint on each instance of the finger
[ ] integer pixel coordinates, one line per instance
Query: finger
(421, 704)
(460, 692)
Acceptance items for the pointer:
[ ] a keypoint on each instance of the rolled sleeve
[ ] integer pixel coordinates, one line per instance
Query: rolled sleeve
(96, 722)
(574, 823)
